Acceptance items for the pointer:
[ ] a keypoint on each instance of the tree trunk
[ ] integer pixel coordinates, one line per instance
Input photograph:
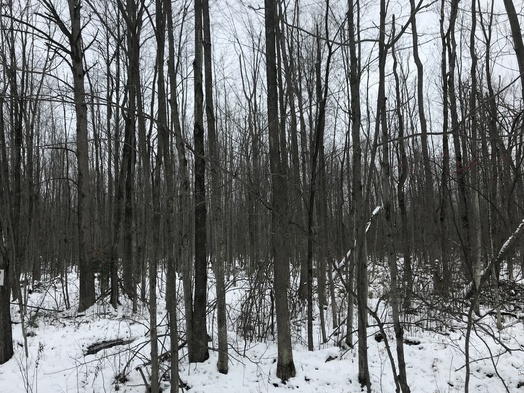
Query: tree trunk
(324, 253)
(428, 228)
(217, 218)
(293, 94)
(182, 242)
(388, 213)
(87, 284)
(443, 284)
(200, 352)
(516, 34)
(359, 234)
(6, 338)
(279, 198)
(474, 227)
(463, 230)
(6, 334)
(173, 252)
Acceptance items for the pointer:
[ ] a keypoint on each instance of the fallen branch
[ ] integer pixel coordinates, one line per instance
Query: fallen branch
(508, 245)
(97, 347)
(38, 308)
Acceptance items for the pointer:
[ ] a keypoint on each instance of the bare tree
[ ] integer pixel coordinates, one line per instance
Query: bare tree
(279, 200)
(316, 156)
(357, 195)
(123, 212)
(75, 50)
(6, 335)
(199, 352)
(175, 252)
(217, 216)
(389, 212)
(444, 202)
(87, 285)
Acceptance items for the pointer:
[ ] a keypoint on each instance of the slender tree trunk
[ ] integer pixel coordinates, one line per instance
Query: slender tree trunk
(476, 230)
(318, 141)
(129, 266)
(324, 253)
(160, 162)
(175, 249)
(516, 34)
(293, 93)
(200, 352)
(119, 213)
(17, 131)
(87, 284)
(6, 334)
(444, 189)
(455, 131)
(428, 227)
(497, 186)
(144, 222)
(280, 206)
(6, 338)
(474, 227)
(217, 216)
(518, 44)
(182, 242)
(388, 212)
(359, 235)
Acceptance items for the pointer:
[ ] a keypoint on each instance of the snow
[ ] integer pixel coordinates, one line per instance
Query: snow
(59, 339)
(511, 239)
(375, 212)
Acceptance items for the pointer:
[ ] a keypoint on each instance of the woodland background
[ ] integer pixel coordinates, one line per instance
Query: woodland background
(303, 145)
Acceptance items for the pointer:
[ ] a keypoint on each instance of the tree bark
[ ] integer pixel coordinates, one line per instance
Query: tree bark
(200, 352)
(217, 217)
(87, 284)
(463, 231)
(6, 334)
(428, 228)
(516, 34)
(6, 337)
(359, 234)
(443, 284)
(177, 238)
(279, 201)
(395, 296)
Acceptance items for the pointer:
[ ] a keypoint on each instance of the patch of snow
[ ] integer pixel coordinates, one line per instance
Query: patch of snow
(58, 362)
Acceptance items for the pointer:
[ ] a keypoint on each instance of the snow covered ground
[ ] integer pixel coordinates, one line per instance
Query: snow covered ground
(58, 342)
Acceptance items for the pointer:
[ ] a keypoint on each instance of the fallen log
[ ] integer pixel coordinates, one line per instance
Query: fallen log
(97, 347)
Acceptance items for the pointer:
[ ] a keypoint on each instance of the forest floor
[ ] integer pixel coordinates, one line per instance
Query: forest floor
(60, 357)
